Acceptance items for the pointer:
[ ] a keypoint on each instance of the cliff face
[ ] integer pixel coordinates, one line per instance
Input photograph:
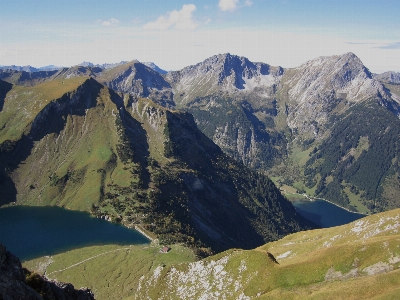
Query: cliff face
(19, 283)
(330, 85)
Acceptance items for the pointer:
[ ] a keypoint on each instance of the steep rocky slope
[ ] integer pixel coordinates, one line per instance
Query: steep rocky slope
(360, 260)
(223, 72)
(232, 101)
(138, 80)
(388, 77)
(75, 143)
(330, 85)
(19, 283)
(342, 121)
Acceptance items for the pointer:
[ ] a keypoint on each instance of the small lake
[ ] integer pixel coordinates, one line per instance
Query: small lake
(30, 232)
(324, 213)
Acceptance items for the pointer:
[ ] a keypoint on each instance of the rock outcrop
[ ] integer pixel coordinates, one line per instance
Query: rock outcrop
(388, 77)
(19, 283)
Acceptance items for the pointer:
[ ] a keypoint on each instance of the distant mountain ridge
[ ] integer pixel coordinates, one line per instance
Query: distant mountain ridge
(155, 68)
(388, 77)
(280, 121)
(30, 68)
(151, 65)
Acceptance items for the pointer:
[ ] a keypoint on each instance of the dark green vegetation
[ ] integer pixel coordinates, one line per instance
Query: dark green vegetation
(77, 144)
(361, 151)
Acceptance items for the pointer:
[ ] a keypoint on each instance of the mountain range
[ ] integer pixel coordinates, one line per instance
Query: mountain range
(73, 142)
(186, 154)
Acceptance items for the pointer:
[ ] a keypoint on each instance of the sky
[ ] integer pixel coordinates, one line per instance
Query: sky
(174, 34)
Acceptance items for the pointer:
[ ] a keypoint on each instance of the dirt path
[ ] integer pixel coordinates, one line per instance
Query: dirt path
(87, 259)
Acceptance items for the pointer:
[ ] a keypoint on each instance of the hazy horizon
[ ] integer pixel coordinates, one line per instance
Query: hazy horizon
(176, 34)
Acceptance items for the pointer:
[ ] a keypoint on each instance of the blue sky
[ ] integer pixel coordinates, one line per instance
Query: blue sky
(174, 34)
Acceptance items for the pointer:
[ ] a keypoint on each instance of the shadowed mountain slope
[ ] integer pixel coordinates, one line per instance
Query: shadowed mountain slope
(77, 144)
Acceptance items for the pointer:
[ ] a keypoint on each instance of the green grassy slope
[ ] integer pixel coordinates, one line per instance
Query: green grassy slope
(57, 146)
(355, 261)
(110, 271)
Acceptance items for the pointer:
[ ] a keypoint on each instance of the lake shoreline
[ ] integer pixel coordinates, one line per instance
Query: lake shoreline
(325, 213)
(307, 198)
(49, 230)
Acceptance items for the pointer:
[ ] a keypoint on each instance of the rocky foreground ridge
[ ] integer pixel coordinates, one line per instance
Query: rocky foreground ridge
(19, 283)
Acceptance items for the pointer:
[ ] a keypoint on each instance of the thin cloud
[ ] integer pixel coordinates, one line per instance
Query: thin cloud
(360, 43)
(228, 5)
(180, 20)
(248, 3)
(395, 45)
(110, 22)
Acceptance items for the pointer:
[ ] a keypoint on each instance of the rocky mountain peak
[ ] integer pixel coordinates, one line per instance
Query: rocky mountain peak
(156, 68)
(222, 73)
(86, 64)
(137, 79)
(345, 74)
(318, 86)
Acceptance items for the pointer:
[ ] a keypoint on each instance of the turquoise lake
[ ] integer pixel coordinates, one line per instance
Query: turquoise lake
(31, 232)
(324, 213)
